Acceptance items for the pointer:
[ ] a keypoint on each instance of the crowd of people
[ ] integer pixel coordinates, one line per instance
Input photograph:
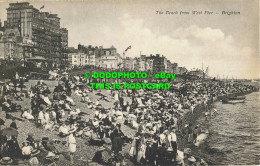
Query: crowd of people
(155, 116)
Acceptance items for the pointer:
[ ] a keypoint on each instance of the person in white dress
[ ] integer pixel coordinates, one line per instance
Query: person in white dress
(72, 146)
(41, 118)
(192, 108)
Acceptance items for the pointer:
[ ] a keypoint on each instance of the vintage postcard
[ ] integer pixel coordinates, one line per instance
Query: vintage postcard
(129, 82)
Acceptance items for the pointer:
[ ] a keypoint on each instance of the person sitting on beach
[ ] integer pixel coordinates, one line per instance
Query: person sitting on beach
(74, 112)
(46, 99)
(95, 122)
(70, 100)
(26, 150)
(73, 127)
(67, 107)
(98, 157)
(64, 129)
(49, 126)
(53, 116)
(30, 139)
(27, 115)
(49, 147)
(62, 115)
(214, 111)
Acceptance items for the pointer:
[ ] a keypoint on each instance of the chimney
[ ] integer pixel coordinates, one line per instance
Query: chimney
(79, 47)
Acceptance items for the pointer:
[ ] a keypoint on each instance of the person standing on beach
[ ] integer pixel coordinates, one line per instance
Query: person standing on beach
(72, 146)
(206, 115)
(117, 143)
(15, 84)
(192, 108)
(195, 132)
(189, 133)
(21, 83)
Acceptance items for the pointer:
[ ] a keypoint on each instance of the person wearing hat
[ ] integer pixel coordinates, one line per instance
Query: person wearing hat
(179, 161)
(30, 139)
(162, 137)
(13, 124)
(152, 150)
(192, 161)
(48, 146)
(6, 161)
(64, 129)
(62, 115)
(34, 160)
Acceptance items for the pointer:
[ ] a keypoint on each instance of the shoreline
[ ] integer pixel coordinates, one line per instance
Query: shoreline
(188, 117)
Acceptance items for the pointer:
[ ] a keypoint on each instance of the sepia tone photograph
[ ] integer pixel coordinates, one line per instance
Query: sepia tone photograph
(129, 82)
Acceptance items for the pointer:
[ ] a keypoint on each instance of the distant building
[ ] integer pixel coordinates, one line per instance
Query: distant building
(175, 68)
(197, 72)
(158, 63)
(142, 63)
(128, 63)
(149, 65)
(78, 59)
(169, 67)
(181, 70)
(111, 61)
(102, 57)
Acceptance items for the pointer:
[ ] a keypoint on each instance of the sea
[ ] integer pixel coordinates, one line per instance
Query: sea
(234, 133)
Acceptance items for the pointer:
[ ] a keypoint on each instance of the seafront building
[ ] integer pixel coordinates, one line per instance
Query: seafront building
(30, 34)
(106, 58)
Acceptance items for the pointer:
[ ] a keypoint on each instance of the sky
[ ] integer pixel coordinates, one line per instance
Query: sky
(228, 44)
